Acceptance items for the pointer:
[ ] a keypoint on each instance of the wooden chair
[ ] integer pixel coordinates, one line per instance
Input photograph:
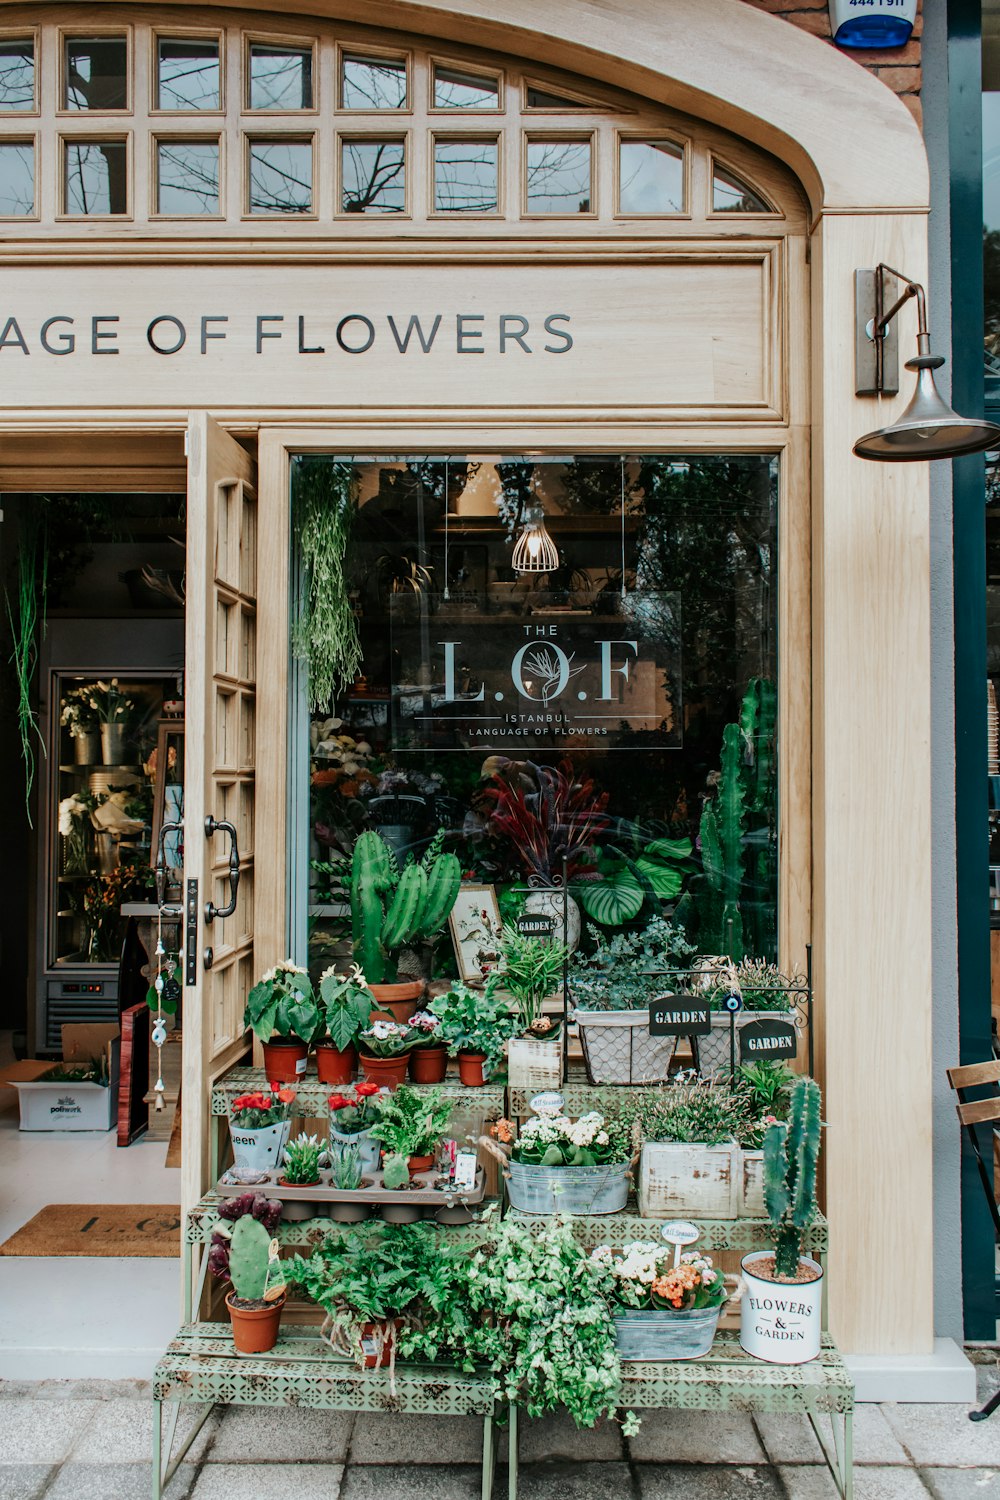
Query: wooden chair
(973, 1113)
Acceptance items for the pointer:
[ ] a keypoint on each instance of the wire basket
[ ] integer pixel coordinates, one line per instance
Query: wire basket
(617, 1047)
(568, 1190)
(714, 1054)
(663, 1334)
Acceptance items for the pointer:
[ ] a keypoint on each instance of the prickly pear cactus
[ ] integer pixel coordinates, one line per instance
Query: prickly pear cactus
(248, 1256)
(395, 1172)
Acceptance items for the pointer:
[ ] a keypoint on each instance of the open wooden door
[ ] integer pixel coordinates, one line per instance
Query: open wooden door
(220, 756)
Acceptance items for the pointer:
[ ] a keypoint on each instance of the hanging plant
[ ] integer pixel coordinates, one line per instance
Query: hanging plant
(24, 614)
(325, 635)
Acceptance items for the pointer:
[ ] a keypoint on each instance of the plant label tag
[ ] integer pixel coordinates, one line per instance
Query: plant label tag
(550, 1103)
(679, 1233)
(673, 1015)
(465, 1171)
(300, 1066)
(531, 924)
(767, 1039)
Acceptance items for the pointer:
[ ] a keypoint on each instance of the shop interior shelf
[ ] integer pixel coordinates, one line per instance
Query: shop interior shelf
(311, 1096)
(203, 1219)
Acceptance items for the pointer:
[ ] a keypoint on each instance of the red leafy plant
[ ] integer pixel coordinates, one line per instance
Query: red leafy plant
(549, 815)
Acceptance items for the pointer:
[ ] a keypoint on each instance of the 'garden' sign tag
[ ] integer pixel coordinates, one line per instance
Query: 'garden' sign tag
(678, 1015)
(531, 924)
(767, 1039)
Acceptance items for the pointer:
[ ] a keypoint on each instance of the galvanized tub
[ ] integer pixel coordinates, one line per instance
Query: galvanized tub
(568, 1190)
(653, 1334)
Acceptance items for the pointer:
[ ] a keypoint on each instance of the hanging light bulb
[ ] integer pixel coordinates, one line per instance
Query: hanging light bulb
(535, 551)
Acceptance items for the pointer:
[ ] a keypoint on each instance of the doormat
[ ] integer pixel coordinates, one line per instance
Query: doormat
(99, 1229)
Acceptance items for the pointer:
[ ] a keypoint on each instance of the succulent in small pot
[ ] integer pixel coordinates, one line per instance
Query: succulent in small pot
(347, 1003)
(384, 1048)
(244, 1253)
(258, 1127)
(530, 969)
(476, 1026)
(282, 1012)
(410, 1123)
(429, 1055)
(352, 1116)
(302, 1162)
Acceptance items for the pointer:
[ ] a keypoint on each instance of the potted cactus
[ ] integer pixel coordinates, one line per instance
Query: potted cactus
(393, 909)
(348, 1004)
(244, 1253)
(781, 1313)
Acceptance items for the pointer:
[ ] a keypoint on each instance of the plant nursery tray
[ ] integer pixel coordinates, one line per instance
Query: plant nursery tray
(422, 1192)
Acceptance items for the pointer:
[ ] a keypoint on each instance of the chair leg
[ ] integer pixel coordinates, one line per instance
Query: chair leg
(512, 1454)
(987, 1410)
(489, 1459)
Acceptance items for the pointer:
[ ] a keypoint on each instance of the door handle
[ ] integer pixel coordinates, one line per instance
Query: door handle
(160, 873)
(212, 827)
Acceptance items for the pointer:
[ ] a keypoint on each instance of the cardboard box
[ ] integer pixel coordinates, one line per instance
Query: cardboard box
(75, 1106)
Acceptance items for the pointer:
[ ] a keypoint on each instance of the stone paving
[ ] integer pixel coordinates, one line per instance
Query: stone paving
(90, 1440)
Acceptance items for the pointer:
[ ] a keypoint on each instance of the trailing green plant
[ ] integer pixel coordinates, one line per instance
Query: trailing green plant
(791, 1150)
(530, 969)
(302, 1160)
(27, 618)
(345, 1167)
(348, 1004)
(409, 1121)
(393, 909)
(283, 1001)
(474, 1021)
(707, 1114)
(621, 972)
(325, 635)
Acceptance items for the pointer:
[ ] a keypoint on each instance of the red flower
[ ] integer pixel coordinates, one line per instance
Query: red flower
(337, 1101)
(286, 1096)
(366, 1090)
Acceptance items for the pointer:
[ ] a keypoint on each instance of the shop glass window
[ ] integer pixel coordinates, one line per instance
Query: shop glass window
(188, 74)
(451, 716)
(372, 83)
(650, 177)
(96, 73)
(96, 177)
(17, 75)
(187, 177)
(538, 98)
(455, 89)
(281, 177)
(17, 179)
(372, 177)
(465, 177)
(280, 77)
(558, 180)
(731, 195)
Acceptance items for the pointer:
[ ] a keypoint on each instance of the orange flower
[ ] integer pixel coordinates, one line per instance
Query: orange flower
(502, 1131)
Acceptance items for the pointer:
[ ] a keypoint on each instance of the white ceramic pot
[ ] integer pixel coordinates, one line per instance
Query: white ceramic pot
(549, 903)
(781, 1321)
(260, 1150)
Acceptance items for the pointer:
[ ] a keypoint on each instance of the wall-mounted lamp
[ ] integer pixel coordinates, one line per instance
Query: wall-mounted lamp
(535, 551)
(878, 23)
(928, 428)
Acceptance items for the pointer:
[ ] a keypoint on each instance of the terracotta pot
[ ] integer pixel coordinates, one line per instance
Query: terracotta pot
(334, 1065)
(285, 1060)
(388, 1072)
(255, 1329)
(397, 1002)
(428, 1064)
(373, 1360)
(420, 1164)
(470, 1068)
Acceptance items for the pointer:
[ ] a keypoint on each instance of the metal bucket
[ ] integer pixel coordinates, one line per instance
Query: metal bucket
(568, 1190)
(656, 1334)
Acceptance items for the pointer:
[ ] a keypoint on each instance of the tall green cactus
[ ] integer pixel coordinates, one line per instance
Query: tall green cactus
(389, 909)
(249, 1251)
(790, 1154)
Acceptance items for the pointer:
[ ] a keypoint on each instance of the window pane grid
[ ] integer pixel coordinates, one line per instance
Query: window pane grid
(17, 75)
(188, 74)
(187, 177)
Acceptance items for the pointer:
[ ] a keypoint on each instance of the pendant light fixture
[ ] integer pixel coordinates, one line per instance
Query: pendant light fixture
(928, 428)
(534, 550)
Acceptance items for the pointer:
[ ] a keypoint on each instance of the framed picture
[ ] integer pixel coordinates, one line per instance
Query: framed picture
(475, 930)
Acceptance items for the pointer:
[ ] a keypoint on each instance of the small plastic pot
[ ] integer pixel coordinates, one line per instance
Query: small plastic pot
(334, 1065)
(285, 1060)
(420, 1164)
(428, 1064)
(255, 1329)
(387, 1072)
(470, 1069)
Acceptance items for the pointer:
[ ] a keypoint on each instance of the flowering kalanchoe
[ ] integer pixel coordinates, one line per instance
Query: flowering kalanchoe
(385, 1039)
(556, 1141)
(353, 1112)
(644, 1276)
(258, 1111)
(425, 1030)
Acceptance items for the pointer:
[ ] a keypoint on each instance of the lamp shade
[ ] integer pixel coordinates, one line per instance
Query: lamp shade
(928, 428)
(535, 551)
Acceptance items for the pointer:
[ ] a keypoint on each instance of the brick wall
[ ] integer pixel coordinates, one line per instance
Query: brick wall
(898, 68)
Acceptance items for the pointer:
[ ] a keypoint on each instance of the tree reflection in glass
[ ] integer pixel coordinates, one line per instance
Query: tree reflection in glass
(370, 83)
(373, 177)
(187, 177)
(465, 177)
(280, 77)
(558, 177)
(17, 75)
(188, 74)
(280, 177)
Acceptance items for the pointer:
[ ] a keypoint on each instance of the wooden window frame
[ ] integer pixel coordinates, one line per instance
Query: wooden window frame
(83, 33)
(160, 34)
(193, 138)
(650, 138)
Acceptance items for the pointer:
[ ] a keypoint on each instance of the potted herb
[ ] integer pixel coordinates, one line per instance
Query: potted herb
(392, 910)
(347, 1003)
(244, 1253)
(665, 1305)
(612, 988)
(781, 1312)
(559, 1165)
(476, 1026)
(530, 969)
(351, 1119)
(690, 1155)
(258, 1126)
(384, 1049)
(428, 1055)
(766, 994)
(409, 1124)
(281, 1011)
(765, 1087)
